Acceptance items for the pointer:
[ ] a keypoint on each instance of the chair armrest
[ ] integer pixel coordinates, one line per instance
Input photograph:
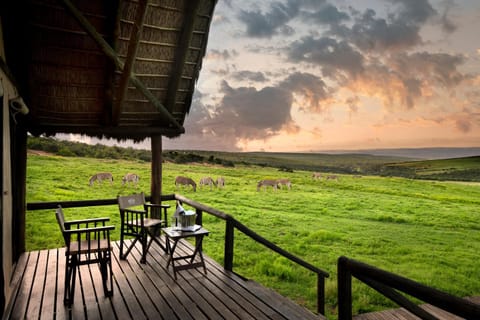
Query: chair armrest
(134, 211)
(156, 205)
(87, 221)
(86, 230)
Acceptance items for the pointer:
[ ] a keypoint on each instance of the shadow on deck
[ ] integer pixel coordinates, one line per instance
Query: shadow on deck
(143, 291)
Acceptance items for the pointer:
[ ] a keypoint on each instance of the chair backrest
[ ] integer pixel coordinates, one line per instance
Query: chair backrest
(61, 222)
(133, 200)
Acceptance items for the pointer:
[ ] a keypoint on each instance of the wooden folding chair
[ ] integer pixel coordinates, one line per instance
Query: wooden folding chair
(87, 242)
(137, 222)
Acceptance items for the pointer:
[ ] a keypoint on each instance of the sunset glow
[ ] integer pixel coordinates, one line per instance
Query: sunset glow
(322, 75)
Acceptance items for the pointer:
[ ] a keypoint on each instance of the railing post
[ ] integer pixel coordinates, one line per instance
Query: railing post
(344, 290)
(199, 218)
(320, 294)
(199, 221)
(228, 254)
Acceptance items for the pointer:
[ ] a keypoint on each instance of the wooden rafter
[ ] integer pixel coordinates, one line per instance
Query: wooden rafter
(181, 54)
(109, 52)
(131, 55)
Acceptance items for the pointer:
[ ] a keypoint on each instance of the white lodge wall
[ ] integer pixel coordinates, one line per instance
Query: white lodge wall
(7, 92)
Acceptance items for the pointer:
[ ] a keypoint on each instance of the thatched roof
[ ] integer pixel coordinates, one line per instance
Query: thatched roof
(72, 59)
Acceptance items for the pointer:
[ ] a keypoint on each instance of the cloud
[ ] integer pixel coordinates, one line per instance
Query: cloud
(221, 54)
(325, 14)
(400, 80)
(352, 103)
(399, 30)
(316, 95)
(436, 68)
(464, 125)
(266, 25)
(257, 114)
(243, 114)
(329, 54)
(446, 23)
(246, 75)
(413, 11)
(247, 113)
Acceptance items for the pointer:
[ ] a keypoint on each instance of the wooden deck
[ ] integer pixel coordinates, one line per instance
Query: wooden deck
(146, 291)
(402, 314)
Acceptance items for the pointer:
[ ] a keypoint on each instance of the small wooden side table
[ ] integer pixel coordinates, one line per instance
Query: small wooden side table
(173, 236)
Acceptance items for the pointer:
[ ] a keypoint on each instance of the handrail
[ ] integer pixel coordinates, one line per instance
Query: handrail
(387, 283)
(231, 224)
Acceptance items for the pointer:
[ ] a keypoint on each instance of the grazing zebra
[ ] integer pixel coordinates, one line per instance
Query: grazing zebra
(100, 177)
(332, 177)
(316, 175)
(284, 182)
(130, 177)
(221, 182)
(184, 181)
(267, 183)
(207, 181)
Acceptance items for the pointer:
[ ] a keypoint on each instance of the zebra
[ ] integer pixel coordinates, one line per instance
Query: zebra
(179, 180)
(130, 177)
(284, 182)
(267, 183)
(207, 181)
(100, 177)
(316, 175)
(220, 182)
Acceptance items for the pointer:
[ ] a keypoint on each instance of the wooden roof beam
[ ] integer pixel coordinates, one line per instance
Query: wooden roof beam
(181, 54)
(109, 52)
(131, 55)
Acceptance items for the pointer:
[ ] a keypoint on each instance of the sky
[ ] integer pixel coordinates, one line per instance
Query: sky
(313, 75)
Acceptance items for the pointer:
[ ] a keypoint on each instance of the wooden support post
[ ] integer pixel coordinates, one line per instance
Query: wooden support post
(229, 235)
(344, 285)
(320, 294)
(19, 170)
(156, 169)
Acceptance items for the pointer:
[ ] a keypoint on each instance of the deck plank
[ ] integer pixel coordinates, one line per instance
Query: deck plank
(243, 308)
(164, 289)
(124, 298)
(38, 285)
(26, 280)
(403, 314)
(47, 310)
(142, 291)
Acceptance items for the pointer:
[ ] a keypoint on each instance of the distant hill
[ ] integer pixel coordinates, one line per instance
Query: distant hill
(458, 169)
(415, 153)
(430, 163)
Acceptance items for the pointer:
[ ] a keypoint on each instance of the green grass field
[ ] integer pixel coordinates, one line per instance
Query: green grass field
(427, 231)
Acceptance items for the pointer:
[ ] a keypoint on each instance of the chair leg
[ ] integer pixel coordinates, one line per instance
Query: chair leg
(107, 274)
(70, 276)
(122, 257)
(143, 241)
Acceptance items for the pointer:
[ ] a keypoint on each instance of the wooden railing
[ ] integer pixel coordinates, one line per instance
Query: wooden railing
(390, 284)
(231, 224)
